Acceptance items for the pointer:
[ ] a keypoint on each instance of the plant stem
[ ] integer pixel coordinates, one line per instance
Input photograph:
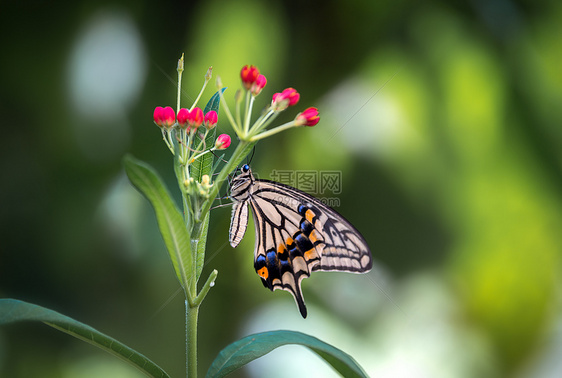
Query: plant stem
(205, 289)
(180, 72)
(193, 300)
(276, 130)
(242, 150)
(191, 315)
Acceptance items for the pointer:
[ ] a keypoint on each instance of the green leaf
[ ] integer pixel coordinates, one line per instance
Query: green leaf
(254, 346)
(214, 102)
(170, 220)
(12, 311)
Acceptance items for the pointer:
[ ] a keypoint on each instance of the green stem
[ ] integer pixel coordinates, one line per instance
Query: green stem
(201, 154)
(180, 72)
(242, 150)
(195, 238)
(247, 112)
(276, 130)
(205, 289)
(191, 315)
(235, 126)
(265, 120)
(193, 300)
(200, 93)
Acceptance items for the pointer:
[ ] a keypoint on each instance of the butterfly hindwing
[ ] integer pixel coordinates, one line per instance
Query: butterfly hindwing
(295, 235)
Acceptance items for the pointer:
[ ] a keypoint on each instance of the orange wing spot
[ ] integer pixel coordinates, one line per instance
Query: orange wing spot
(281, 249)
(310, 254)
(309, 215)
(289, 241)
(313, 237)
(263, 272)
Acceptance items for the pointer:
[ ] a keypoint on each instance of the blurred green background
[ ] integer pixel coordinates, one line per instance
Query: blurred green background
(443, 117)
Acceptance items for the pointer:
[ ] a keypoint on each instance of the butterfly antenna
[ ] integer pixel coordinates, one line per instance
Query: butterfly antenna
(220, 202)
(220, 157)
(221, 205)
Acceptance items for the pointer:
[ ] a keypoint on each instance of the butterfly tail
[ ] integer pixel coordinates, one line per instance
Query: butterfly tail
(293, 286)
(275, 275)
(300, 301)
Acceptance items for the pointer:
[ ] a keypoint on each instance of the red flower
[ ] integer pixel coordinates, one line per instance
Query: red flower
(211, 119)
(258, 85)
(249, 74)
(183, 116)
(309, 117)
(195, 118)
(283, 100)
(223, 141)
(164, 117)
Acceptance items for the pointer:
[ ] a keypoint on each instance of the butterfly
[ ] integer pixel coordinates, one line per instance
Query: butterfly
(296, 234)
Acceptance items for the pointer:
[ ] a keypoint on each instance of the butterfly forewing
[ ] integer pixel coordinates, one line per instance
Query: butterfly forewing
(295, 235)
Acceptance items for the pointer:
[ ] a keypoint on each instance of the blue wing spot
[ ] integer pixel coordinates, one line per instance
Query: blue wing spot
(303, 242)
(295, 252)
(302, 209)
(306, 227)
(260, 262)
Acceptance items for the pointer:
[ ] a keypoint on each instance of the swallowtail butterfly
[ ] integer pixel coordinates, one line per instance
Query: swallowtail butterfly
(296, 234)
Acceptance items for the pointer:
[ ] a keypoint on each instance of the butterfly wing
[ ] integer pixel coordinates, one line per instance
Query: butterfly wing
(297, 234)
(238, 223)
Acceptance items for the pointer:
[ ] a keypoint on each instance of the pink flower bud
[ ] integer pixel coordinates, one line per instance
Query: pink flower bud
(283, 100)
(183, 116)
(164, 117)
(249, 74)
(258, 85)
(211, 119)
(309, 117)
(195, 118)
(157, 115)
(223, 141)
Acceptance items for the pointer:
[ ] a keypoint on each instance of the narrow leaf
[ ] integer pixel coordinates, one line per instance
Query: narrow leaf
(12, 311)
(254, 346)
(170, 220)
(214, 102)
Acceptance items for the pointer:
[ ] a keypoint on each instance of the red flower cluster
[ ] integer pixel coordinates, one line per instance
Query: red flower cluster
(252, 79)
(166, 117)
(190, 119)
(249, 75)
(309, 117)
(281, 101)
(254, 82)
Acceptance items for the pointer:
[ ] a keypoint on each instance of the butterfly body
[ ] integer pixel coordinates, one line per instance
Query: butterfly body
(295, 234)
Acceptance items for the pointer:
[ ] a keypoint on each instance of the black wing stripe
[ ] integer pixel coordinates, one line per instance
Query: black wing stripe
(238, 223)
(327, 216)
(297, 234)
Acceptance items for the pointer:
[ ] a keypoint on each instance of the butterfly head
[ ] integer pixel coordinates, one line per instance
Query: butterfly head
(242, 183)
